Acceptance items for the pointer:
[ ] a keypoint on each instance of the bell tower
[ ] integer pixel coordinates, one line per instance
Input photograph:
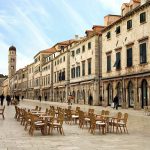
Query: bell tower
(11, 61)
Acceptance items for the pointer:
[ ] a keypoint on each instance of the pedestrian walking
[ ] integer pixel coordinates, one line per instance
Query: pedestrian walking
(90, 99)
(2, 99)
(40, 98)
(45, 97)
(8, 99)
(116, 102)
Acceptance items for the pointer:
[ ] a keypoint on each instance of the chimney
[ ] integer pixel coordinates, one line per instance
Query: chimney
(89, 33)
(76, 37)
(97, 28)
(109, 19)
(125, 9)
(134, 4)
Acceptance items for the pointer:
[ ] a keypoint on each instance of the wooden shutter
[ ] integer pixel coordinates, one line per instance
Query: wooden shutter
(129, 57)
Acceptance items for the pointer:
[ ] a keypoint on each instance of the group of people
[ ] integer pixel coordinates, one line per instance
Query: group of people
(8, 99)
(40, 98)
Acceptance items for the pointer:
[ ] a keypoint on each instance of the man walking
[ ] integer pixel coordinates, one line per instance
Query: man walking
(40, 98)
(2, 99)
(116, 102)
(8, 99)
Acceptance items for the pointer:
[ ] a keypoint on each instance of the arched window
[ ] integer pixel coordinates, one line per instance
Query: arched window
(119, 92)
(144, 93)
(83, 96)
(64, 95)
(74, 95)
(78, 96)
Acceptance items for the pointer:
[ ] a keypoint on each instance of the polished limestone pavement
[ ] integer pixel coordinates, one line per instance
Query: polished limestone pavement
(14, 137)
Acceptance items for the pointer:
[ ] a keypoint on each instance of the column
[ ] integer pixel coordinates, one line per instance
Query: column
(95, 93)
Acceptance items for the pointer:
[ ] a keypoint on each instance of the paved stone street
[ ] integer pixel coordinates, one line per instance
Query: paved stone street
(14, 137)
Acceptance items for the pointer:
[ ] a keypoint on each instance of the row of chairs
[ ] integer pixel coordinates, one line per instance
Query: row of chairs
(53, 118)
(103, 121)
(46, 122)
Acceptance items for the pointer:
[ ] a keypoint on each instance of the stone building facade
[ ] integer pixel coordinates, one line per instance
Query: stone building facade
(85, 68)
(126, 57)
(110, 60)
(30, 81)
(47, 78)
(61, 69)
(3, 84)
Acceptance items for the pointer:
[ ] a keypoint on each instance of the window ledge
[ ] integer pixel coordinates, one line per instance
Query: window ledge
(108, 39)
(118, 34)
(118, 69)
(143, 64)
(129, 67)
(141, 23)
(129, 29)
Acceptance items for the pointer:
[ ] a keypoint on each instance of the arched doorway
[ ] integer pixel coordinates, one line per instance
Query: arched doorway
(83, 96)
(130, 94)
(144, 93)
(90, 98)
(74, 95)
(119, 92)
(57, 95)
(110, 94)
(64, 96)
(78, 96)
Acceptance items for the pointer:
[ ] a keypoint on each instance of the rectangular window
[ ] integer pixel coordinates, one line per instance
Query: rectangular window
(129, 57)
(143, 53)
(109, 63)
(118, 61)
(83, 48)
(73, 73)
(60, 76)
(117, 30)
(78, 51)
(63, 75)
(78, 71)
(129, 24)
(89, 66)
(89, 45)
(108, 35)
(72, 53)
(83, 68)
(60, 60)
(143, 17)
(64, 58)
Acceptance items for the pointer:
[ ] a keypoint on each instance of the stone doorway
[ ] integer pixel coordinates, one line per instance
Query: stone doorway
(144, 93)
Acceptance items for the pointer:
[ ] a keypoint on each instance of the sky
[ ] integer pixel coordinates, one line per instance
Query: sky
(35, 25)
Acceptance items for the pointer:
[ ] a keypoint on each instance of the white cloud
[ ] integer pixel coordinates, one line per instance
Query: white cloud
(113, 5)
(23, 60)
(76, 20)
(3, 58)
(39, 36)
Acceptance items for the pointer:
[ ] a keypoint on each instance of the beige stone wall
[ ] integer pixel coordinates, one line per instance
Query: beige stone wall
(83, 86)
(120, 41)
(138, 74)
(4, 86)
(84, 56)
